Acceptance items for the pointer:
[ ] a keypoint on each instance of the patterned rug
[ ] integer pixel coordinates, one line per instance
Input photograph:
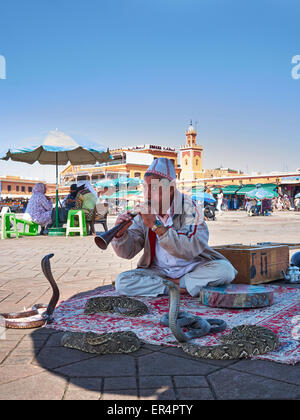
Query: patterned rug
(283, 317)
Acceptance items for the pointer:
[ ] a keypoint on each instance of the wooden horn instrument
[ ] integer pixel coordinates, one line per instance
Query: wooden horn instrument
(104, 239)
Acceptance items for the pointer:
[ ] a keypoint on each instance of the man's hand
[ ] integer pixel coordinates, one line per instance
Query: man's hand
(123, 218)
(149, 219)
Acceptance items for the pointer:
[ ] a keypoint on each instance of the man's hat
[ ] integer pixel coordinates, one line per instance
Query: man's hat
(163, 167)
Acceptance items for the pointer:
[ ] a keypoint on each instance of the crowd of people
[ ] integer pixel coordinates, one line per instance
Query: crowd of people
(82, 196)
(264, 206)
(225, 202)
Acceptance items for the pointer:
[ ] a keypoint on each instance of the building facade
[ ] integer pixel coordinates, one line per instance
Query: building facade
(129, 161)
(18, 187)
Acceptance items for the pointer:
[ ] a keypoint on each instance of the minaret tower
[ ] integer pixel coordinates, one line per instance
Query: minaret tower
(191, 156)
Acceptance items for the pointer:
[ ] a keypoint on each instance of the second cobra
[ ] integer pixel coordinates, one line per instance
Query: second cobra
(198, 327)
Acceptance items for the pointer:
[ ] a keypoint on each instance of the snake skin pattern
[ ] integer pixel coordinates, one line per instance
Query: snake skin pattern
(243, 341)
(125, 306)
(108, 343)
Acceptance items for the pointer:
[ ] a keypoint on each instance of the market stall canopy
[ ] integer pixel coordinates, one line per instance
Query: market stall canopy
(122, 181)
(245, 189)
(196, 190)
(130, 181)
(124, 195)
(231, 189)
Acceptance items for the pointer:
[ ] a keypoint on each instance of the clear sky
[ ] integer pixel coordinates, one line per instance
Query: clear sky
(126, 72)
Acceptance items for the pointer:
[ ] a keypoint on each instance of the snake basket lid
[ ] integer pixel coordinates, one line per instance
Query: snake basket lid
(237, 296)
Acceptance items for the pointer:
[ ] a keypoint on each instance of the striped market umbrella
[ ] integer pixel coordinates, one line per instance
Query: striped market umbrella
(260, 193)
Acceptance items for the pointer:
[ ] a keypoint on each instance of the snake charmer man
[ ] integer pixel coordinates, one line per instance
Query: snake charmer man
(173, 235)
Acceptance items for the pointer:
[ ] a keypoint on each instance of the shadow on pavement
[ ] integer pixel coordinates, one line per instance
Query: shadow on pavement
(112, 376)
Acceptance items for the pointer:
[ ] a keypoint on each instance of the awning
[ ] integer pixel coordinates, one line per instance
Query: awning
(124, 194)
(270, 187)
(245, 189)
(249, 187)
(231, 189)
(195, 190)
(290, 180)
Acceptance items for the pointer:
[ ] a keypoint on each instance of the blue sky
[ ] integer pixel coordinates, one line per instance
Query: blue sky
(126, 72)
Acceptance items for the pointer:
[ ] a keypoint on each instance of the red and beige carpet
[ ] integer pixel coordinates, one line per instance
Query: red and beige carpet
(283, 317)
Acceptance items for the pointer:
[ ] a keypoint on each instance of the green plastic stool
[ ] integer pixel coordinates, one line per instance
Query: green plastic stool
(6, 231)
(71, 228)
(29, 228)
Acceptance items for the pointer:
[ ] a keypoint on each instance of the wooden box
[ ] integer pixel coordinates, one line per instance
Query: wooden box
(256, 263)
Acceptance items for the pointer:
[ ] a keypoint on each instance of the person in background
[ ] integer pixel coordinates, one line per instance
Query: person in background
(220, 201)
(102, 203)
(279, 203)
(286, 202)
(40, 207)
(70, 200)
(251, 206)
(258, 206)
(86, 200)
(297, 203)
(266, 207)
(101, 210)
(235, 202)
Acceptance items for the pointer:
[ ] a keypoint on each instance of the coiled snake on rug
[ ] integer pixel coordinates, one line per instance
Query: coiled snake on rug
(11, 318)
(175, 320)
(242, 341)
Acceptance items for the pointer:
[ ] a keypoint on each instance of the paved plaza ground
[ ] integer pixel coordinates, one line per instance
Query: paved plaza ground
(33, 365)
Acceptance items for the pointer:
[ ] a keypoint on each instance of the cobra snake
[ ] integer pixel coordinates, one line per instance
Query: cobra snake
(242, 341)
(197, 325)
(42, 318)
